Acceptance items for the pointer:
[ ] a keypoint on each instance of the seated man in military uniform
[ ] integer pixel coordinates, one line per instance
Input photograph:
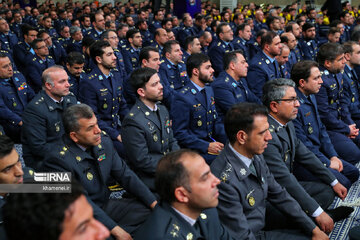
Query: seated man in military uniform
(147, 132)
(247, 182)
(189, 195)
(102, 90)
(196, 123)
(38, 63)
(42, 122)
(263, 66)
(311, 131)
(230, 86)
(15, 94)
(90, 156)
(172, 69)
(132, 50)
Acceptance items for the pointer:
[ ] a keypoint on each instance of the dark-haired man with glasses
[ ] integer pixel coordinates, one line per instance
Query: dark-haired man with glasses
(285, 152)
(38, 63)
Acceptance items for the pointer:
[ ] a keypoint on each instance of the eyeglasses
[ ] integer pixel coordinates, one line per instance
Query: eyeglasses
(290, 100)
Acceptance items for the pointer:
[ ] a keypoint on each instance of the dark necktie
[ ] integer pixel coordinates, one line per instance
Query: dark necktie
(252, 168)
(203, 93)
(275, 68)
(198, 230)
(355, 78)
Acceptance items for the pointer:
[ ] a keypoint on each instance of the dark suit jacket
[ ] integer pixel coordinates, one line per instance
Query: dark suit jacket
(164, 223)
(242, 196)
(280, 156)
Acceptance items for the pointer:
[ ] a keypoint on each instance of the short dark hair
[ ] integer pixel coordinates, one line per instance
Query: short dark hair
(97, 49)
(75, 58)
(231, 57)
(145, 53)
(140, 77)
(171, 174)
(41, 33)
(348, 46)
(267, 38)
(329, 51)
(195, 61)
(355, 36)
(35, 43)
(168, 46)
(275, 89)
(73, 114)
(302, 70)
(289, 26)
(131, 33)
(333, 30)
(26, 28)
(241, 117)
(27, 215)
(307, 26)
(220, 27)
(6, 146)
(241, 27)
(189, 40)
(87, 41)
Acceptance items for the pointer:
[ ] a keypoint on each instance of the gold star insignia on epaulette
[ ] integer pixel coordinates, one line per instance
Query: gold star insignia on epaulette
(103, 132)
(131, 114)
(203, 216)
(31, 172)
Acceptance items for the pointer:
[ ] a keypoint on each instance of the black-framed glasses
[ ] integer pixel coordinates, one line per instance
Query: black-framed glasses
(290, 100)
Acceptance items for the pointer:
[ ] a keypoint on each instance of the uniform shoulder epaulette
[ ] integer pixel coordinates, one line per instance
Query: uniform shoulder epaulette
(184, 90)
(63, 151)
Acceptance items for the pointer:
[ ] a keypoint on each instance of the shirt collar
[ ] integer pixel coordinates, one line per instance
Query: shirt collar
(349, 67)
(186, 218)
(271, 59)
(154, 110)
(197, 86)
(56, 101)
(245, 160)
(282, 125)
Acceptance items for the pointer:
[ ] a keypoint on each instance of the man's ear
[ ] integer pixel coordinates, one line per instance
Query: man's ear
(241, 137)
(274, 106)
(181, 195)
(141, 92)
(74, 137)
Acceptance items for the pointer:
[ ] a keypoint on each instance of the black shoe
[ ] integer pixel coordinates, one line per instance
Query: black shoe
(339, 213)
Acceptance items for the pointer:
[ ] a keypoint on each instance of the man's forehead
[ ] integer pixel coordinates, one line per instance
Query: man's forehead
(8, 160)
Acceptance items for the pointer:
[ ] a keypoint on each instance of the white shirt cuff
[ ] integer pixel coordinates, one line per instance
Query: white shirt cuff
(333, 183)
(317, 212)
